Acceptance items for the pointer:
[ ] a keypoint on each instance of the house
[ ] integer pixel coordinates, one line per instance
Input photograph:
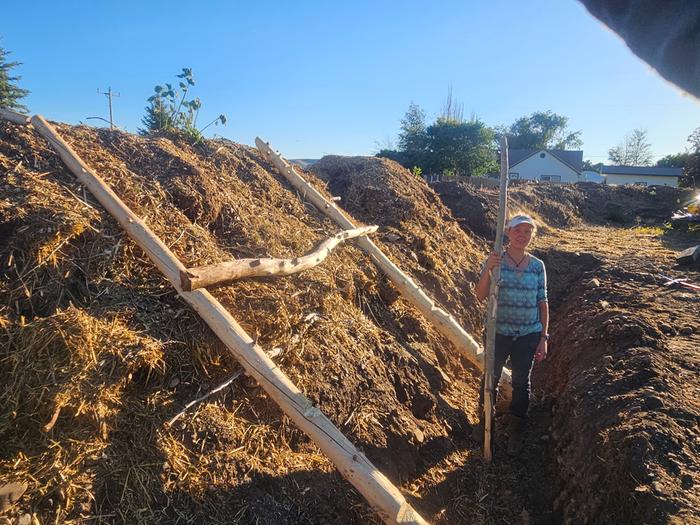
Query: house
(545, 165)
(642, 175)
(592, 176)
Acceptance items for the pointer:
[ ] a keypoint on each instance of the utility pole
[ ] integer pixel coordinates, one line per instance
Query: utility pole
(109, 94)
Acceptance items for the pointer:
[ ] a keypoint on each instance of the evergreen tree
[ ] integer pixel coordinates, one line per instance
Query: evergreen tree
(10, 93)
(413, 139)
(157, 118)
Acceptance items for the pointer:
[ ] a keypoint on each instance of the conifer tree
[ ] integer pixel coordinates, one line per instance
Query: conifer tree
(10, 93)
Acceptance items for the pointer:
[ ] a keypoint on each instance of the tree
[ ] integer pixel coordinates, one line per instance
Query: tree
(541, 130)
(676, 160)
(691, 168)
(635, 150)
(689, 161)
(451, 109)
(589, 166)
(10, 93)
(461, 148)
(413, 139)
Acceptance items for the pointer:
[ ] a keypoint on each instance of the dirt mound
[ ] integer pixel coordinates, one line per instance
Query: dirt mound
(98, 351)
(416, 227)
(562, 205)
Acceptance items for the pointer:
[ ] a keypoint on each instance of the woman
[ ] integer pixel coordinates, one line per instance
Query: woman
(522, 317)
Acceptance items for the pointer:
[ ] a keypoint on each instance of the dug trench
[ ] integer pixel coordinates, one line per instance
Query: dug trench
(617, 402)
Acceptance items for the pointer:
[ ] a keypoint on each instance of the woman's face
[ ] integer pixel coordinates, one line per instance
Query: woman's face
(521, 235)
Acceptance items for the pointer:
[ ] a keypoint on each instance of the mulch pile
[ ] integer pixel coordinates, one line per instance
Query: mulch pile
(97, 352)
(417, 228)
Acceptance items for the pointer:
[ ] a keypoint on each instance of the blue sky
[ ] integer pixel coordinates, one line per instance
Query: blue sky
(317, 78)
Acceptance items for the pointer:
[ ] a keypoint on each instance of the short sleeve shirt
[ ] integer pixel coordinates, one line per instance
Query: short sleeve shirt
(519, 295)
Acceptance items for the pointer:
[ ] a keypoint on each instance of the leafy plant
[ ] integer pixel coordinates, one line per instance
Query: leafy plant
(170, 111)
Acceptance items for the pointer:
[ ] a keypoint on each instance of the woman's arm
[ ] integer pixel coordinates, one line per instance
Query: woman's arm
(482, 287)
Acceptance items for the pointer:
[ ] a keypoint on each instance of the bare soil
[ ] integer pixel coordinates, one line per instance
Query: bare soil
(621, 382)
(622, 379)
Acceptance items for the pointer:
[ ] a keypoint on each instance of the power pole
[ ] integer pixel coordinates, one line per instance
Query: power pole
(109, 94)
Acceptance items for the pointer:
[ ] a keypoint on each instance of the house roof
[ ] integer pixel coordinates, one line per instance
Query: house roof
(572, 158)
(642, 170)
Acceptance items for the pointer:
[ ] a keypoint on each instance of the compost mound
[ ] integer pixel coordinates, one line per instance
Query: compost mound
(417, 228)
(562, 205)
(97, 351)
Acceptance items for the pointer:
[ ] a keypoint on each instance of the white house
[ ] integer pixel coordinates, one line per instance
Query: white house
(545, 165)
(592, 176)
(642, 175)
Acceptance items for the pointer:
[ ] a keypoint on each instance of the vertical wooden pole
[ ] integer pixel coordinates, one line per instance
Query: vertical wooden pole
(489, 358)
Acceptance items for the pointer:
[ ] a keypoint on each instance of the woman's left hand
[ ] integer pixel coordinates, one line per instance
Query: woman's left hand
(541, 351)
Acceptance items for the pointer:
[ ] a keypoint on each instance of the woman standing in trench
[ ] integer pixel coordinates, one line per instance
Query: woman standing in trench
(522, 318)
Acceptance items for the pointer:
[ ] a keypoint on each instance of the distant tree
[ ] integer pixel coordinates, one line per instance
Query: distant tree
(691, 169)
(676, 160)
(689, 161)
(386, 144)
(694, 140)
(10, 93)
(451, 109)
(589, 166)
(635, 150)
(169, 110)
(541, 130)
(413, 138)
(450, 145)
(461, 148)
(393, 154)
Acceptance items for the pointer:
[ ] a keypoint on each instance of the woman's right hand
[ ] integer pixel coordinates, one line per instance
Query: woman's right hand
(493, 261)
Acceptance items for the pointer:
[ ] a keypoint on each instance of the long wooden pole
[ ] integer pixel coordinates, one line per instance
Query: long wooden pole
(381, 494)
(221, 273)
(489, 384)
(443, 321)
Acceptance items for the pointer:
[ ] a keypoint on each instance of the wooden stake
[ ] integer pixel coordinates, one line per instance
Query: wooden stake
(381, 494)
(489, 386)
(216, 274)
(443, 321)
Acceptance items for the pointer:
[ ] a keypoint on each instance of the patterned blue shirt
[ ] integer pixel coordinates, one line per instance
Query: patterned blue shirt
(519, 296)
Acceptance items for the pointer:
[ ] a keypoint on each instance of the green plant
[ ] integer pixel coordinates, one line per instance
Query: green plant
(10, 93)
(169, 111)
(417, 171)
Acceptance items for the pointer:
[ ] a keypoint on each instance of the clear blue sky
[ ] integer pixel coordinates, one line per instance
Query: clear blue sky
(317, 77)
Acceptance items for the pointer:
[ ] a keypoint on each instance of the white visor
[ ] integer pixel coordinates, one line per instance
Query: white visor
(521, 219)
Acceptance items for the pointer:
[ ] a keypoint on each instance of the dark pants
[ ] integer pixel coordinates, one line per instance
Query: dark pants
(522, 355)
